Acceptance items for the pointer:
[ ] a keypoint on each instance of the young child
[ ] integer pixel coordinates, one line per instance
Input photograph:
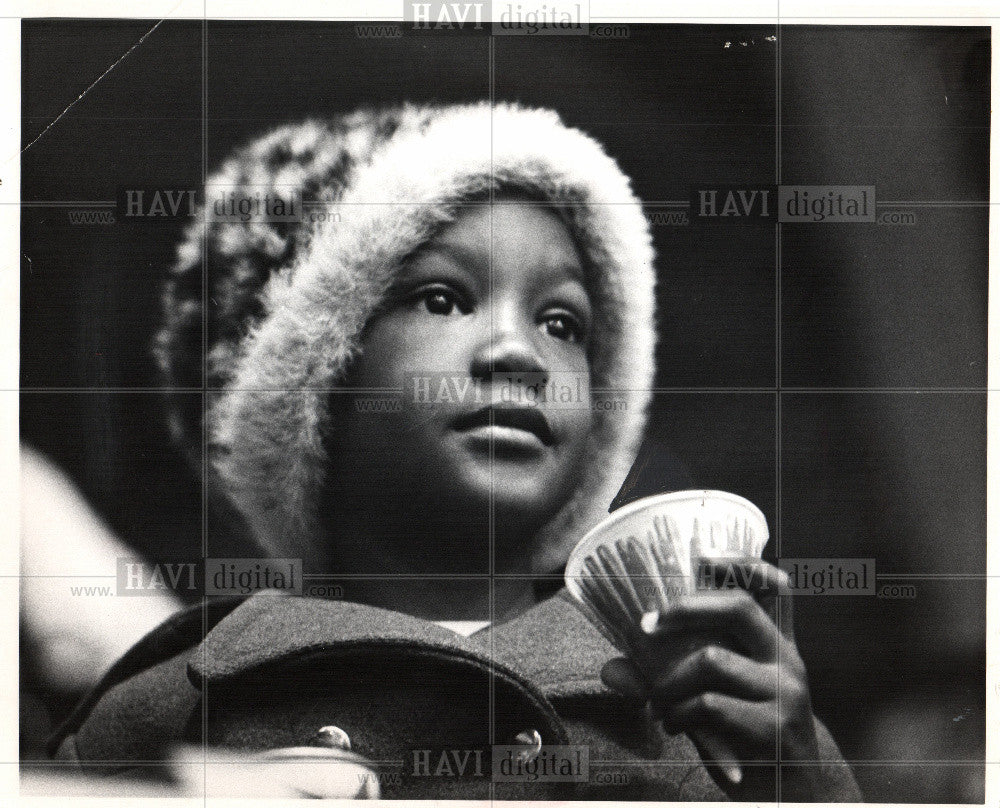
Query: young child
(473, 253)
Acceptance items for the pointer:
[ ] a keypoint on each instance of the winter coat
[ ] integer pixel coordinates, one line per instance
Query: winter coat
(410, 695)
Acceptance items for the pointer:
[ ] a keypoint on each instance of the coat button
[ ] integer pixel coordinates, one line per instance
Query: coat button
(332, 738)
(531, 740)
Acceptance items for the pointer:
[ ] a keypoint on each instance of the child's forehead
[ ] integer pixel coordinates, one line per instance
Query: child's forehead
(509, 227)
(480, 259)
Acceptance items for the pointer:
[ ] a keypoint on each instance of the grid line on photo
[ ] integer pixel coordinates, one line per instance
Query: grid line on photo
(890, 576)
(204, 437)
(491, 711)
(780, 604)
(395, 391)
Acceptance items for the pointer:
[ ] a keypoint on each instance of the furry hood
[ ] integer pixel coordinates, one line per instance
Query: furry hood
(288, 301)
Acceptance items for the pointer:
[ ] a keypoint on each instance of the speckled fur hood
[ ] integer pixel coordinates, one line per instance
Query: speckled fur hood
(288, 301)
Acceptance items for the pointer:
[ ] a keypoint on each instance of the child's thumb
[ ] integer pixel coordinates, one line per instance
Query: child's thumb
(623, 675)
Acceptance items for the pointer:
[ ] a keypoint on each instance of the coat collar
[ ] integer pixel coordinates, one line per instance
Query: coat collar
(552, 646)
(273, 628)
(555, 646)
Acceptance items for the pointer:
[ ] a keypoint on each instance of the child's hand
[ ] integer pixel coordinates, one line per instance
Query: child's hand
(736, 691)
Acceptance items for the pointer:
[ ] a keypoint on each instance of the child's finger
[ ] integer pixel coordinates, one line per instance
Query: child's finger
(623, 676)
(719, 669)
(728, 614)
(716, 753)
(752, 721)
(768, 584)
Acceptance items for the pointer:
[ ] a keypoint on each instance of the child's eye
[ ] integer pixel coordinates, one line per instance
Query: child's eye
(440, 300)
(562, 325)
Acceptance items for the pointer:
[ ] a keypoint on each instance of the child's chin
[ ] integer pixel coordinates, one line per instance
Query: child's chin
(514, 491)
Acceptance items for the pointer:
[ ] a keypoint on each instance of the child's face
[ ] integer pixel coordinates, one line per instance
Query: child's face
(496, 295)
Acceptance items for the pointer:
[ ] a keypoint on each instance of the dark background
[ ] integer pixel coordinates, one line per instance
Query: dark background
(860, 375)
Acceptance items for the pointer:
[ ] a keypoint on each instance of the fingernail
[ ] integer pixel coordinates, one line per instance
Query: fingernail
(733, 773)
(649, 621)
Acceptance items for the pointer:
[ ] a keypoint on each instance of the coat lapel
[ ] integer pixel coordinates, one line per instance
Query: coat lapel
(555, 647)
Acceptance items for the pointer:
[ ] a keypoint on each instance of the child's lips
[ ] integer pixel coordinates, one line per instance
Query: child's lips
(514, 427)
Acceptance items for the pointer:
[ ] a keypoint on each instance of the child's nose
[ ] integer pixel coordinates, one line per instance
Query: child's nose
(507, 351)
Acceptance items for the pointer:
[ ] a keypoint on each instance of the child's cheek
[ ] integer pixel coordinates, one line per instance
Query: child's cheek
(395, 347)
(573, 405)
